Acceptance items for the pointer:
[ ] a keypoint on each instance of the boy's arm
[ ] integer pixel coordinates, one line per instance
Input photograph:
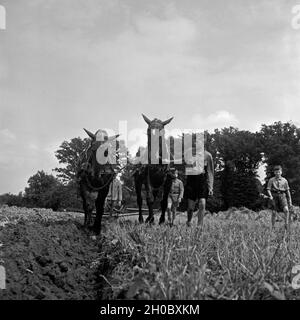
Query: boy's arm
(289, 198)
(269, 189)
(288, 194)
(181, 188)
(120, 192)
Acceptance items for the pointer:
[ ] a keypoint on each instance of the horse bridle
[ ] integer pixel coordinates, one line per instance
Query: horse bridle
(87, 179)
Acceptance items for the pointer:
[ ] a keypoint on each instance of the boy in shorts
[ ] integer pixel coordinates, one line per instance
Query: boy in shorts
(175, 196)
(198, 188)
(279, 192)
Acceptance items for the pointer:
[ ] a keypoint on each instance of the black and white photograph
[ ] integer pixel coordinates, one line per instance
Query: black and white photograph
(149, 150)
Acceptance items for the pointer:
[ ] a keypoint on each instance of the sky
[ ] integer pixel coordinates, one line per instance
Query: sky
(66, 65)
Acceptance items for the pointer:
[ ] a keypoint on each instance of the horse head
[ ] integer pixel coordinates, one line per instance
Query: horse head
(156, 126)
(99, 138)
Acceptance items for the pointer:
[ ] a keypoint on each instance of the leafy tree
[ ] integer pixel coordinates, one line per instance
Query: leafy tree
(69, 154)
(237, 158)
(43, 191)
(13, 199)
(69, 196)
(240, 150)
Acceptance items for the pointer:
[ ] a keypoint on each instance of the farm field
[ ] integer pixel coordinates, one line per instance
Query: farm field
(48, 255)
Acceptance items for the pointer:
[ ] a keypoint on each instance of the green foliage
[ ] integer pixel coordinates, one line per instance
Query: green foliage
(239, 149)
(13, 200)
(43, 191)
(69, 154)
(70, 197)
(237, 156)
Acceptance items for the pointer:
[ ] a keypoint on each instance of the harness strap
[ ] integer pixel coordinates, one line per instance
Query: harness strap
(164, 179)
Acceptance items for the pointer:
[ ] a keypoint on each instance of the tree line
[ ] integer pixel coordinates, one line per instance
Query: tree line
(237, 154)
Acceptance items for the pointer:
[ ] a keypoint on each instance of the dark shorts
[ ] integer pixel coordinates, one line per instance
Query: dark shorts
(280, 201)
(196, 187)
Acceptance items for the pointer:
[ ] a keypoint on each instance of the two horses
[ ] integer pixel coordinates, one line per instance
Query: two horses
(94, 178)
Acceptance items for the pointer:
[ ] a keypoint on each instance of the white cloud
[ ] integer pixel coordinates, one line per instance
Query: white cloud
(95, 62)
(218, 119)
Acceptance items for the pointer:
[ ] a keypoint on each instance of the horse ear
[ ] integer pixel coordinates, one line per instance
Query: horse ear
(113, 137)
(91, 135)
(146, 119)
(167, 121)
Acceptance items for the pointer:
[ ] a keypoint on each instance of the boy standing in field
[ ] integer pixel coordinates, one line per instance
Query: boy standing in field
(279, 192)
(114, 196)
(175, 196)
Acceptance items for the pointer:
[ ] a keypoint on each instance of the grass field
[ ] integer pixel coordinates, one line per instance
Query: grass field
(49, 255)
(236, 256)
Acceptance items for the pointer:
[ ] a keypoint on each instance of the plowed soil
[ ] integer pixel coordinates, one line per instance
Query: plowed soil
(46, 255)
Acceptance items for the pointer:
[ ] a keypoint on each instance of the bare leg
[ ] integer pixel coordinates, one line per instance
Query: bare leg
(173, 209)
(169, 203)
(201, 212)
(169, 215)
(273, 219)
(287, 218)
(190, 211)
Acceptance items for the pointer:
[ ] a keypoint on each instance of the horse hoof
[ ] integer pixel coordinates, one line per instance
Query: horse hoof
(150, 220)
(141, 220)
(161, 221)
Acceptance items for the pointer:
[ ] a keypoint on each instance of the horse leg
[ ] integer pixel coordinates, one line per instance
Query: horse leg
(99, 210)
(150, 201)
(164, 205)
(87, 208)
(139, 199)
(164, 201)
(150, 218)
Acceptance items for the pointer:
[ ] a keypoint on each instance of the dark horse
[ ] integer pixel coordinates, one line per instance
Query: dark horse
(94, 179)
(154, 176)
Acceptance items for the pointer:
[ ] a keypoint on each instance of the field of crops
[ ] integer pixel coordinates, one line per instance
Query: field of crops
(48, 255)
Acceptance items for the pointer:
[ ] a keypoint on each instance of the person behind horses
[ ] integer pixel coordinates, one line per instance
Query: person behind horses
(199, 187)
(175, 196)
(279, 192)
(114, 196)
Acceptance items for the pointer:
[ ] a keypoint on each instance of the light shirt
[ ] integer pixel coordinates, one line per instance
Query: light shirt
(278, 184)
(177, 188)
(115, 191)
